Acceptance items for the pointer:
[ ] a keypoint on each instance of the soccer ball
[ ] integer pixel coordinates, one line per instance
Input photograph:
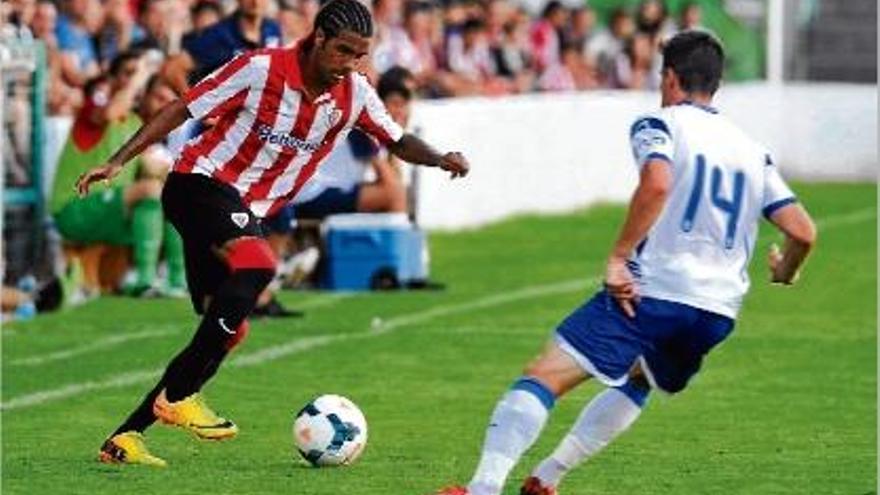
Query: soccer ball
(330, 431)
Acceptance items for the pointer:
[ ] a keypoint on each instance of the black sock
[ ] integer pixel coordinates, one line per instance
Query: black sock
(232, 303)
(142, 417)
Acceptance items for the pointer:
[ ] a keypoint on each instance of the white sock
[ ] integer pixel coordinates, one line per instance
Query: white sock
(515, 425)
(609, 414)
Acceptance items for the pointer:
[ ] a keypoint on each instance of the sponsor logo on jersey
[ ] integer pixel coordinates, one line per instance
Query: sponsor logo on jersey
(265, 133)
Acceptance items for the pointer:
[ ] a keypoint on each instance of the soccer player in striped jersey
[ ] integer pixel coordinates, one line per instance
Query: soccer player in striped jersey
(279, 112)
(674, 280)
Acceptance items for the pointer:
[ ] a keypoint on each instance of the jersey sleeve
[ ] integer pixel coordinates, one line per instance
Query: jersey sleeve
(651, 140)
(221, 86)
(776, 192)
(374, 119)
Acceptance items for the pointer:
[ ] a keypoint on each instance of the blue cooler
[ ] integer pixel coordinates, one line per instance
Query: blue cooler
(372, 251)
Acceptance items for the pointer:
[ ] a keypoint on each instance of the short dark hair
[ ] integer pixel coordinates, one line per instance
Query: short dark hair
(417, 7)
(206, 6)
(473, 24)
(394, 81)
(697, 59)
(336, 16)
(551, 8)
(120, 60)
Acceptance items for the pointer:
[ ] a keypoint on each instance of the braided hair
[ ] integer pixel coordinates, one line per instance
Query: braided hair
(336, 16)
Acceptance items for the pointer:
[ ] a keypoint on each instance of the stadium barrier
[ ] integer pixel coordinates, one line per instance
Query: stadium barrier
(552, 153)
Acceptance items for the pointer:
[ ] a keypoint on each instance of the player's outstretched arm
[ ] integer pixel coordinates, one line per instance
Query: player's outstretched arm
(644, 209)
(800, 237)
(411, 149)
(168, 119)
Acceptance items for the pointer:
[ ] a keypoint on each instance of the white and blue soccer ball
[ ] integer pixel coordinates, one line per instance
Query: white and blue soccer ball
(330, 431)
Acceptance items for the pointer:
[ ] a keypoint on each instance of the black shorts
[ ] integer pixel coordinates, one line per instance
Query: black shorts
(207, 214)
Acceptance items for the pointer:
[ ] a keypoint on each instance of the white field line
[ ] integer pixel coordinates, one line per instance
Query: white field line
(97, 345)
(296, 346)
(75, 389)
(300, 345)
(319, 301)
(323, 300)
(850, 218)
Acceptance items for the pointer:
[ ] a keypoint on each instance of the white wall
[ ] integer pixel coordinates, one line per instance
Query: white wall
(540, 153)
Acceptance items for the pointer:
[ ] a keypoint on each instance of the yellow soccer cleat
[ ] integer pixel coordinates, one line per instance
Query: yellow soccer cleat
(128, 448)
(194, 415)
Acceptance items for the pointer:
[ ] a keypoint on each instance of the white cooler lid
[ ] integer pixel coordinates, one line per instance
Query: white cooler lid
(367, 220)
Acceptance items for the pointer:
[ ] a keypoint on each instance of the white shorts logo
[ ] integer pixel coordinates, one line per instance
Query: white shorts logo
(240, 219)
(224, 327)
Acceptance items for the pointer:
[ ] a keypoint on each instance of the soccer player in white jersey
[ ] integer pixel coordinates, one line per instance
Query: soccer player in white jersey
(279, 113)
(674, 281)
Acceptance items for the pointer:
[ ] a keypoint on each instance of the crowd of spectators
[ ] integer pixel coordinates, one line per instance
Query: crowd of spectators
(454, 47)
(113, 61)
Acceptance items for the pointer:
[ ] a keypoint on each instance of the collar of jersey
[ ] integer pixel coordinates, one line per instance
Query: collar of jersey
(706, 108)
(294, 78)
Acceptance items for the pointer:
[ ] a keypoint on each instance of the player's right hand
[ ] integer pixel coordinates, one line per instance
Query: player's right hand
(620, 284)
(456, 164)
(103, 173)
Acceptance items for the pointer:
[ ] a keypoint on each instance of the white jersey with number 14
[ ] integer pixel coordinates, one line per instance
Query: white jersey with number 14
(698, 251)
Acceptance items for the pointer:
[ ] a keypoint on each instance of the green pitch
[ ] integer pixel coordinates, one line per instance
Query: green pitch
(787, 405)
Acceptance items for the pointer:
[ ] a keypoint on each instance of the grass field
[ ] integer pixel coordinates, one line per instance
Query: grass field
(787, 405)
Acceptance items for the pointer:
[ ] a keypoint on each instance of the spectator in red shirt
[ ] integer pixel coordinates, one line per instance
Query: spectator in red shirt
(545, 36)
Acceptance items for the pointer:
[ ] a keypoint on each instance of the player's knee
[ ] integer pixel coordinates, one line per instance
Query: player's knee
(541, 371)
(254, 255)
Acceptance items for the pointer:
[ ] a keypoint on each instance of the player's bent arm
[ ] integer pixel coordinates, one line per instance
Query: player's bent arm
(645, 206)
(800, 237)
(644, 209)
(168, 119)
(412, 149)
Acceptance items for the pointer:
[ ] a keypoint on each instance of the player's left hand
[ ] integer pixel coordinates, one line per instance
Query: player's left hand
(456, 164)
(620, 284)
(774, 262)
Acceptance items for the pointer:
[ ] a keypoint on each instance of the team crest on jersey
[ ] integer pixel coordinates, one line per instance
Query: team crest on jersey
(333, 117)
(240, 219)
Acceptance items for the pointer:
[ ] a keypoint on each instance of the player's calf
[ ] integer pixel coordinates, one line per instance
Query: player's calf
(252, 266)
(608, 415)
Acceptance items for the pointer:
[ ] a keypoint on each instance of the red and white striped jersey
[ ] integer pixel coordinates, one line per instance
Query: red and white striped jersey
(269, 137)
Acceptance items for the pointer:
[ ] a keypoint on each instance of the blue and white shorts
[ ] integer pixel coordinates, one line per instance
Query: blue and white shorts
(667, 339)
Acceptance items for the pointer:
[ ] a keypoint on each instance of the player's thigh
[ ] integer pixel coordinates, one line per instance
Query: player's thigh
(209, 216)
(556, 369)
(205, 272)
